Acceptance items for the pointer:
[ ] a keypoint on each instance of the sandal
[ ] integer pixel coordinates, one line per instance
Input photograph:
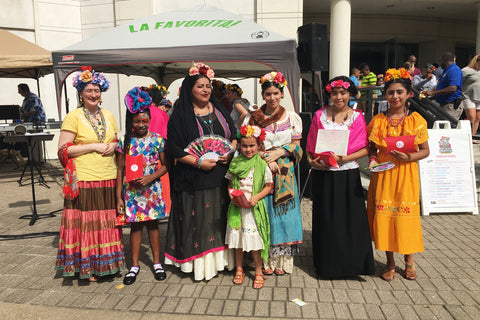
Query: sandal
(410, 273)
(259, 283)
(389, 274)
(239, 276)
(131, 276)
(94, 278)
(279, 272)
(159, 272)
(268, 271)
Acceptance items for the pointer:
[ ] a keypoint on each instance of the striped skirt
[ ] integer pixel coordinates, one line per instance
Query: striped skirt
(90, 244)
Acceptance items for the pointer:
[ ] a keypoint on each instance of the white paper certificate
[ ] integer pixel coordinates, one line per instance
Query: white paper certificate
(335, 141)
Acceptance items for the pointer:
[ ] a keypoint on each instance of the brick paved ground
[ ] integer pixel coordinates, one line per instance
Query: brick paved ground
(448, 285)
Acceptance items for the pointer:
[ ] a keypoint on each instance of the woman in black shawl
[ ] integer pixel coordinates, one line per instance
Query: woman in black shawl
(197, 224)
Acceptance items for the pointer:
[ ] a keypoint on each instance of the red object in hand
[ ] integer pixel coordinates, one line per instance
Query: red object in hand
(239, 198)
(405, 144)
(133, 167)
(326, 158)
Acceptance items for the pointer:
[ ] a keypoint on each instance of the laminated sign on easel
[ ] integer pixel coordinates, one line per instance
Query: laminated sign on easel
(447, 175)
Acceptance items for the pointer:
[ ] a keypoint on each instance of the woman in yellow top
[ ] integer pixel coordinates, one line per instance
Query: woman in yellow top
(90, 245)
(393, 197)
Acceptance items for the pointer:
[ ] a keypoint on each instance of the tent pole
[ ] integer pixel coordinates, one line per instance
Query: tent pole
(66, 99)
(38, 82)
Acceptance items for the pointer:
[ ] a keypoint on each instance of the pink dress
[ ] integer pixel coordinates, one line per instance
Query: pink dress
(158, 124)
(158, 121)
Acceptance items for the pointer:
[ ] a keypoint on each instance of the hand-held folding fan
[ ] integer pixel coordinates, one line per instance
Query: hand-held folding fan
(209, 147)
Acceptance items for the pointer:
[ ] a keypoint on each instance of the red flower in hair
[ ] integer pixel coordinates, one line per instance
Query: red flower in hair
(279, 78)
(85, 68)
(203, 70)
(262, 136)
(243, 130)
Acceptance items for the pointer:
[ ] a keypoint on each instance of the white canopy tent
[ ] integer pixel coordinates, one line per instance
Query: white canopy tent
(163, 47)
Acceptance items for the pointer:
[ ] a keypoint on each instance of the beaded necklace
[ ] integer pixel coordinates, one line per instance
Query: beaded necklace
(344, 119)
(208, 123)
(400, 120)
(101, 128)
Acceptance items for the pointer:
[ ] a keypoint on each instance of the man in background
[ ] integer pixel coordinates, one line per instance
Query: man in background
(32, 107)
(448, 92)
(369, 80)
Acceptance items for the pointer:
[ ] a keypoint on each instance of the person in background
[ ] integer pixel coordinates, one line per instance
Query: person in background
(220, 93)
(393, 203)
(158, 124)
(410, 67)
(32, 107)
(471, 92)
(448, 92)
(355, 77)
(413, 60)
(438, 71)
(369, 80)
(380, 84)
(239, 105)
(90, 245)
(426, 80)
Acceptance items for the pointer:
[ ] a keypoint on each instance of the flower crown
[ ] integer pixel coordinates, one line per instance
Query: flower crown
(251, 131)
(163, 90)
(201, 68)
(393, 74)
(82, 78)
(276, 77)
(337, 84)
(137, 100)
(234, 87)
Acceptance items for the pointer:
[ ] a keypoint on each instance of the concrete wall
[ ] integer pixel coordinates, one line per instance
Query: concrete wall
(56, 24)
(433, 35)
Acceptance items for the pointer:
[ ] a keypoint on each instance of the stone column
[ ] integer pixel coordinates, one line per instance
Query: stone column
(340, 25)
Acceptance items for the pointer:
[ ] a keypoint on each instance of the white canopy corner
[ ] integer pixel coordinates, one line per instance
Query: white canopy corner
(163, 47)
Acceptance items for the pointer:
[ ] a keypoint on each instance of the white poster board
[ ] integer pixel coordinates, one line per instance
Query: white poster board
(447, 175)
(331, 140)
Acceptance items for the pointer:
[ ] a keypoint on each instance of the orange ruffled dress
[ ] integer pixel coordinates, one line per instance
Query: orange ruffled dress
(393, 203)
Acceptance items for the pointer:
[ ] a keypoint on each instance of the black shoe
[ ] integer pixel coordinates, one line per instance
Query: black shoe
(159, 274)
(130, 277)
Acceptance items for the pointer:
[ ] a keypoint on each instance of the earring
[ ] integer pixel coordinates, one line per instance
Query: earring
(100, 101)
(81, 100)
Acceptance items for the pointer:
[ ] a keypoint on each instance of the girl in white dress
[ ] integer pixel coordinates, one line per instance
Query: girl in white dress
(248, 228)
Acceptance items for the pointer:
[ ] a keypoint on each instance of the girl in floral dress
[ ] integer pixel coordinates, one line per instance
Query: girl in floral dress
(140, 199)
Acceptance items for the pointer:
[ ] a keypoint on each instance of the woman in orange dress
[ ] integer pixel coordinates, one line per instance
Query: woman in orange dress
(393, 204)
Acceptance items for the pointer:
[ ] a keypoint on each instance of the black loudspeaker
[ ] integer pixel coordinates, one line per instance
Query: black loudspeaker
(304, 167)
(312, 51)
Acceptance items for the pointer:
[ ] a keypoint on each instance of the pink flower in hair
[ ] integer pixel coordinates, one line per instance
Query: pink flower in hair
(328, 88)
(346, 85)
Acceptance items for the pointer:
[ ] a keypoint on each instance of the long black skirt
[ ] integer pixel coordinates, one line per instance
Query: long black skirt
(197, 224)
(340, 233)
